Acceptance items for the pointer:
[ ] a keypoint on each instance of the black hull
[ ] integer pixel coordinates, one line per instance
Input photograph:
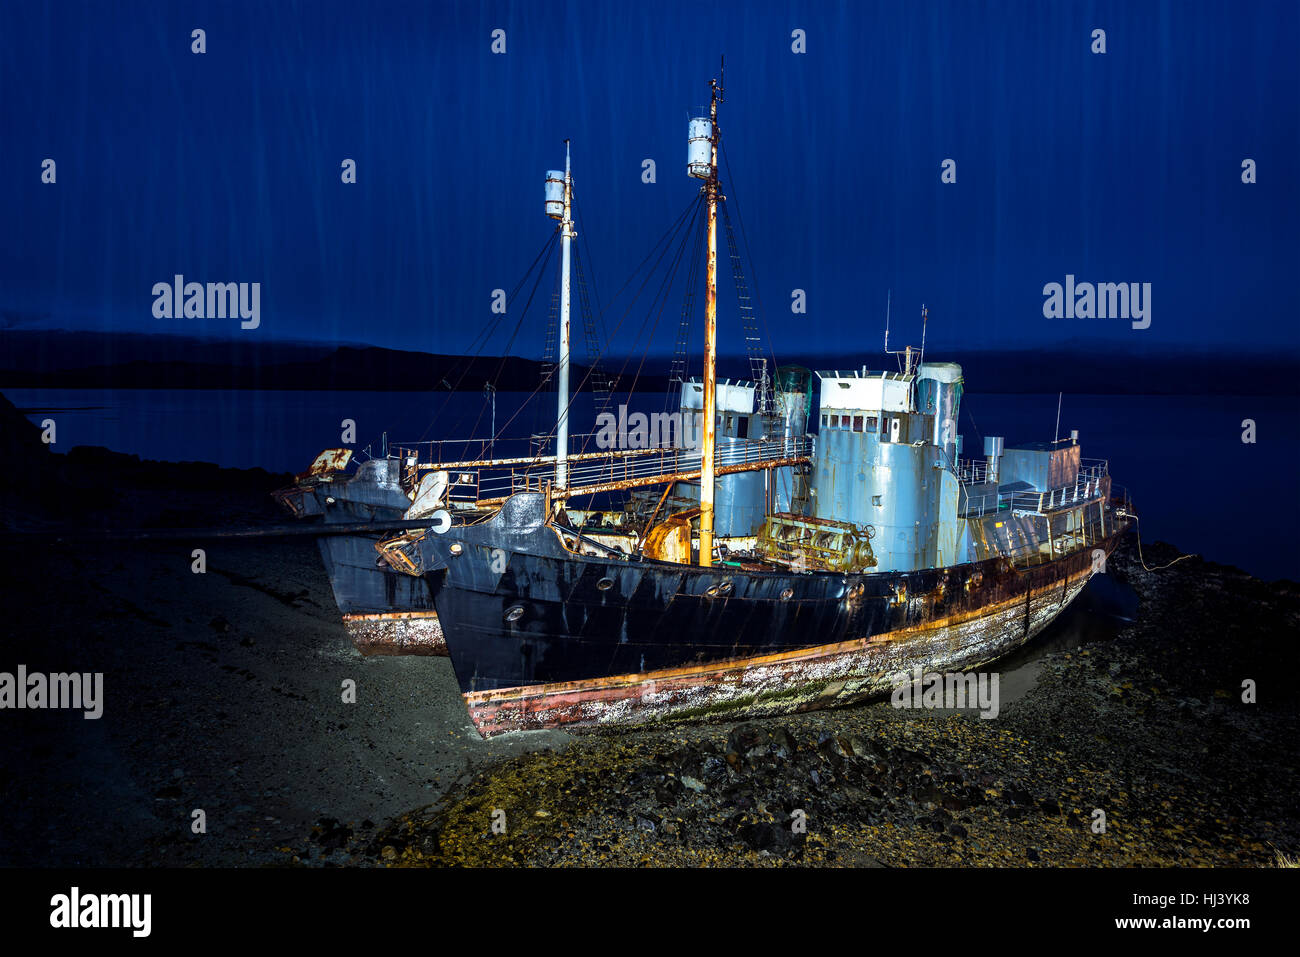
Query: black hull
(361, 585)
(518, 611)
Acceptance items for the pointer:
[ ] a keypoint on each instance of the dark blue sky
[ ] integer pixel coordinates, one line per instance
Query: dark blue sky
(225, 166)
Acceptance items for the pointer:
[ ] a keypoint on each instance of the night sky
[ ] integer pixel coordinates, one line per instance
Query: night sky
(225, 166)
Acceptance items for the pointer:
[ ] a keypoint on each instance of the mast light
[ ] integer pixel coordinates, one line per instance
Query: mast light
(699, 148)
(555, 193)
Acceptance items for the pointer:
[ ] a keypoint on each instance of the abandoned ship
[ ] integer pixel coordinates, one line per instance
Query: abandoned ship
(791, 562)
(383, 613)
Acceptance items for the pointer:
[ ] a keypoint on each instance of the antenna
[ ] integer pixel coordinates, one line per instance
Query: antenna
(888, 301)
(906, 351)
(888, 298)
(1057, 431)
(925, 318)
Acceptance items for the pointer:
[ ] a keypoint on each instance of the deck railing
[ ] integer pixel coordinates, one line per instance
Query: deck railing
(1086, 486)
(626, 468)
(479, 482)
(449, 453)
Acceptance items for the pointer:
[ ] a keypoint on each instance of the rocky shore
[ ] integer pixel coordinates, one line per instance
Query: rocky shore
(1147, 733)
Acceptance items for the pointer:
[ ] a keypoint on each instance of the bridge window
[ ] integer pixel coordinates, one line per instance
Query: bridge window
(857, 423)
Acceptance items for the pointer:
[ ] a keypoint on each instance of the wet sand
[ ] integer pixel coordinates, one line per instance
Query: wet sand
(223, 692)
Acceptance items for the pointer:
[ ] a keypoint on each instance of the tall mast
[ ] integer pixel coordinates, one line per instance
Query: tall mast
(710, 339)
(562, 411)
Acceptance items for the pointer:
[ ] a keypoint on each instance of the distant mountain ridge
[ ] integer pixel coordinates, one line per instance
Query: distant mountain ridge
(94, 360)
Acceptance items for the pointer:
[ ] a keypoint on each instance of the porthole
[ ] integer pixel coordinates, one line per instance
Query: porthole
(514, 613)
(605, 584)
(787, 594)
(725, 589)
(456, 548)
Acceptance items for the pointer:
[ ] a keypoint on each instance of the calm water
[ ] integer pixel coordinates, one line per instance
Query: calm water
(1195, 483)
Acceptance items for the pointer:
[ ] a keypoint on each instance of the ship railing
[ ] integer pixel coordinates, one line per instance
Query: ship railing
(972, 471)
(1060, 541)
(462, 487)
(1086, 487)
(976, 471)
(1120, 499)
(1064, 496)
(454, 453)
(631, 468)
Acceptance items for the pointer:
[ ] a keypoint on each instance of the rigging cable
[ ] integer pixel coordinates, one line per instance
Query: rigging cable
(668, 234)
(744, 238)
(505, 356)
(680, 367)
(694, 209)
(591, 319)
(486, 332)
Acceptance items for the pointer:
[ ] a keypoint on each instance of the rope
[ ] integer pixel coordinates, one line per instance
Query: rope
(1142, 560)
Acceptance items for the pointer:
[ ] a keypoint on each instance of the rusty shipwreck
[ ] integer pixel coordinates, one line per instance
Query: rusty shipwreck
(383, 613)
(794, 560)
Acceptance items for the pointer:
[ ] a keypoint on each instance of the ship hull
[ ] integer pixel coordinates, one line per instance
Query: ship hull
(801, 680)
(536, 642)
(384, 612)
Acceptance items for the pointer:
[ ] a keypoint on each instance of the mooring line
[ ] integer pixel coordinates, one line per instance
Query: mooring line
(1141, 560)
